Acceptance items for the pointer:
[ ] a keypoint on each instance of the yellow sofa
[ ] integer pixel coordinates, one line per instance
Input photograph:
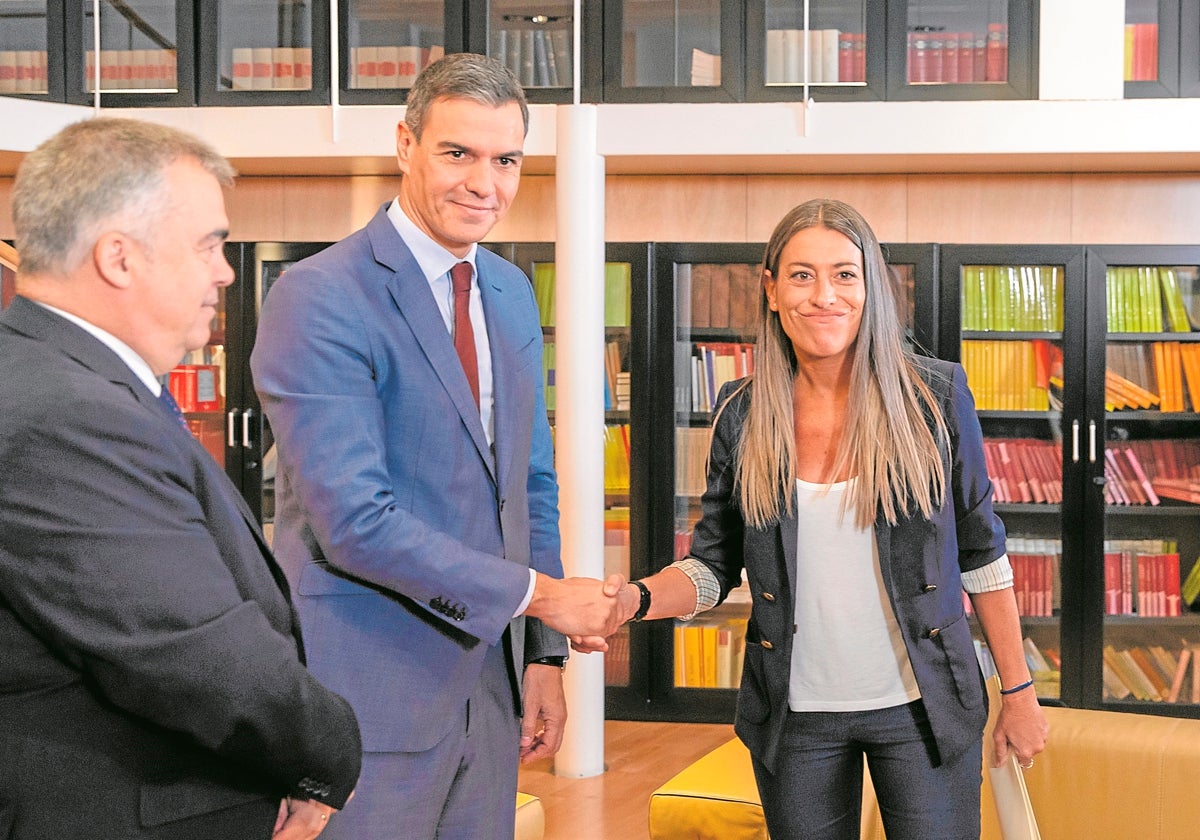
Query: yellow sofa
(1103, 776)
(531, 818)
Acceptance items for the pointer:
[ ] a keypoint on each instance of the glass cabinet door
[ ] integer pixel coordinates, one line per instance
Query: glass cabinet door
(946, 49)
(536, 41)
(1023, 365)
(1151, 48)
(199, 384)
(829, 51)
(385, 46)
(264, 53)
(684, 52)
(146, 53)
(30, 49)
(1150, 474)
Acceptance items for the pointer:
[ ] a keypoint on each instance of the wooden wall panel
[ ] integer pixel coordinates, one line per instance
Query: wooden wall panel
(328, 208)
(1135, 208)
(882, 199)
(675, 208)
(255, 209)
(989, 208)
(6, 223)
(532, 215)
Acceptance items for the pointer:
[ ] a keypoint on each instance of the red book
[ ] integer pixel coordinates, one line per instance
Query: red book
(846, 57)
(966, 57)
(980, 58)
(860, 56)
(996, 65)
(1145, 52)
(918, 58)
(1112, 583)
(935, 58)
(950, 57)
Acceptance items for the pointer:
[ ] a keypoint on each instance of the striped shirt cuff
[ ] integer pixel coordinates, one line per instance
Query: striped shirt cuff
(995, 575)
(708, 589)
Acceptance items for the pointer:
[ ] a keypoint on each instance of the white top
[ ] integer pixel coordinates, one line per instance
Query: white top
(136, 363)
(848, 653)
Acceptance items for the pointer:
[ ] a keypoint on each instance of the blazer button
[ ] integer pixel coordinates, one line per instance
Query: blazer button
(767, 645)
(929, 587)
(934, 633)
(767, 596)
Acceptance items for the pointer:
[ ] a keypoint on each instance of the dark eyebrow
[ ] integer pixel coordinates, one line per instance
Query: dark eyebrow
(450, 146)
(220, 235)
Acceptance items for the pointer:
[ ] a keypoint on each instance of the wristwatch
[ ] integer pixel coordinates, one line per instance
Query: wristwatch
(644, 604)
(556, 661)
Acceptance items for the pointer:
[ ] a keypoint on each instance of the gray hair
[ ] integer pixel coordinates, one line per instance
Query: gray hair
(463, 76)
(96, 175)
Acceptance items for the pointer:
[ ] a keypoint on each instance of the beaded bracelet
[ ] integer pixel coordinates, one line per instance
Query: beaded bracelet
(1016, 688)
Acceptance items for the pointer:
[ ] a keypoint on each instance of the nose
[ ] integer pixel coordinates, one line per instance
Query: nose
(823, 292)
(479, 180)
(222, 271)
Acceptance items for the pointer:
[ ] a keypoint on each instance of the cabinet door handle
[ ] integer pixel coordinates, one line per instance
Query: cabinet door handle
(1074, 441)
(230, 439)
(1091, 441)
(246, 415)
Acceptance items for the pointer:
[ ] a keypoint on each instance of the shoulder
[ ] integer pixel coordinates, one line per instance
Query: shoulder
(497, 269)
(941, 376)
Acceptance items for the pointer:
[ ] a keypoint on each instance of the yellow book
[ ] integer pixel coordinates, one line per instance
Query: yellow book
(708, 647)
(680, 656)
(693, 656)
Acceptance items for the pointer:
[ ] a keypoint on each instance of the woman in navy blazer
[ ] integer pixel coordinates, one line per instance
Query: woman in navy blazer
(846, 477)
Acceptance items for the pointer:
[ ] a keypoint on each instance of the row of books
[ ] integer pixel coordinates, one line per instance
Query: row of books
(1171, 468)
(616, 378)
(616, 458)
(1141, 52)
(1163, 375)
(717, 295)
(618, 281)
(1141, 577)
(1045, 666)
(196, 387)
(538, 57)
(1010, 375)
(131, 70)
(709, 652)
(1036, 564)
(828, 56)
(702, 368)
(270, 68)
(1024, 470)
(23, 71)
(1136, 297)
(1012, 298)
(937, 57)
(1153, 672)
(389, 67)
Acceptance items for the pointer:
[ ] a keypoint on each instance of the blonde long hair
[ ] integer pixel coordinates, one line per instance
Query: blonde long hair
(888, 443)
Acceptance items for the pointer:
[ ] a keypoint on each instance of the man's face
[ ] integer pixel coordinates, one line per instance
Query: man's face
(462, 175)
(184, 268)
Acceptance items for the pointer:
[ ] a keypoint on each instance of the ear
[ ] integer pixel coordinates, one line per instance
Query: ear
(769, 288)
(114, 255)
(405, 143)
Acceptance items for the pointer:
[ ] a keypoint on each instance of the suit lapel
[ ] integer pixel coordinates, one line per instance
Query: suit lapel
(504, 366)
(414, 300)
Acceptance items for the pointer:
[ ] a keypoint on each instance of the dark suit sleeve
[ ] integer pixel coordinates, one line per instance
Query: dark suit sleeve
(106, 555)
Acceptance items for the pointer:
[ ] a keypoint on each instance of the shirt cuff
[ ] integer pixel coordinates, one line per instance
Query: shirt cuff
(708, 588)
(528, 593)
(995, 575)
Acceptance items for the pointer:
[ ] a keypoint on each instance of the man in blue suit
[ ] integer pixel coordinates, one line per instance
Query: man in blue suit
(401, 370)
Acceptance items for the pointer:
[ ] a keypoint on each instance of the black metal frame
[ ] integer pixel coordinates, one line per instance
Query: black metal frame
(454, 28)
(55, 64)
(1169, 49)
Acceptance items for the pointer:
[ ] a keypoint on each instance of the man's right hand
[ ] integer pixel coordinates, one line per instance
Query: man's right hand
(578, 606)
(301, 819)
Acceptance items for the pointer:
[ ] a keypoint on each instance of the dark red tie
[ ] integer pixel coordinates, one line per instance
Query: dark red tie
(464, 335)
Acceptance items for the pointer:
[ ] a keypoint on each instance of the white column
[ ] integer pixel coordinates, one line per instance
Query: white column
(579, 416)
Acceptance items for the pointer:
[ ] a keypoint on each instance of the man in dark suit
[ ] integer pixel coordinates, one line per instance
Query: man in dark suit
(152, 678)
(416, 493)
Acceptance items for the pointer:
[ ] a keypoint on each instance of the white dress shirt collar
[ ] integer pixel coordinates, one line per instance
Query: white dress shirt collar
(135, 362)
(433, 258)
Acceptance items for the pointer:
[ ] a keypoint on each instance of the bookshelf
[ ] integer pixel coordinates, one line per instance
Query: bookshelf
(627, 462)
(30, 55)
(1085, 406)
(1152, 48)
(383, 46)
(147, 53)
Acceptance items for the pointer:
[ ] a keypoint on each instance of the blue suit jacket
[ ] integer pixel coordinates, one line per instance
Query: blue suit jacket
(921, 561)
(408, 539)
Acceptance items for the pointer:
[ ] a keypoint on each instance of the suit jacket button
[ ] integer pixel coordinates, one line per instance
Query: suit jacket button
(934, 633)
(767, 645)
(929, 587)
(767, 596)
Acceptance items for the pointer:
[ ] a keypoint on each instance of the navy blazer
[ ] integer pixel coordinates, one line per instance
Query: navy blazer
(408, 539)
(921, 561)
(151, 668)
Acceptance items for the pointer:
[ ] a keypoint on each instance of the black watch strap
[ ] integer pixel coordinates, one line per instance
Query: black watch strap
(556, 661)
(644, 604)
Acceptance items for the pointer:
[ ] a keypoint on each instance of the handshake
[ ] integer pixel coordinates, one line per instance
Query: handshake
(584, 609)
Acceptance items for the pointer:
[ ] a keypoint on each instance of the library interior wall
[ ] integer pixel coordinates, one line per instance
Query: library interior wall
(1042, 208)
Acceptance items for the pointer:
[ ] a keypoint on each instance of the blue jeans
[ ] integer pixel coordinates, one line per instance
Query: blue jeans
(816, 791)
